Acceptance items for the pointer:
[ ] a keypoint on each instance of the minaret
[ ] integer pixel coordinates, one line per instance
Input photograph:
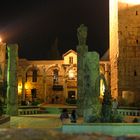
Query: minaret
(54, 51)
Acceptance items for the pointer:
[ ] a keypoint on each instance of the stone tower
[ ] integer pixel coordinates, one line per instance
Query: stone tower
(125, 49)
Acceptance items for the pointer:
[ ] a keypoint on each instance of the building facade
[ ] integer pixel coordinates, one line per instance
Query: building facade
(52, 81)
(56, 81)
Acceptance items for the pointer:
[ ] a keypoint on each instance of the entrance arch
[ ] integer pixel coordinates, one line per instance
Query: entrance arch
(102, 85)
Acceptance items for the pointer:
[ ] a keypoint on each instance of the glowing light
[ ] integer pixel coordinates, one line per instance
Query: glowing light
(0, 39)
(71, 74)
(27, 86)
(131, 1)
(102, 88)
(19, 88)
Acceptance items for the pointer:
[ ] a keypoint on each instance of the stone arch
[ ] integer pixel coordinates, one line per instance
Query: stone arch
(32, 67)
(98, 84)
(29, 68)
(52, 67)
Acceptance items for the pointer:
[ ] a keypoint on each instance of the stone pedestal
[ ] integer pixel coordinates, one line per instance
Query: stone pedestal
(12, 90)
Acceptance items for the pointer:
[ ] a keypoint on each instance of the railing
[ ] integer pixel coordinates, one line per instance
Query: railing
(28, 110)
(129, 112)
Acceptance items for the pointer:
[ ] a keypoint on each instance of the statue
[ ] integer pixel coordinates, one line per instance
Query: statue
(82, 34)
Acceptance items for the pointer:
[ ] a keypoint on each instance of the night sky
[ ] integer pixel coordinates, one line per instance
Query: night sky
(35, 24)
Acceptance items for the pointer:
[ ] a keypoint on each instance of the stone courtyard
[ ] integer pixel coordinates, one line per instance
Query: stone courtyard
(49, 127)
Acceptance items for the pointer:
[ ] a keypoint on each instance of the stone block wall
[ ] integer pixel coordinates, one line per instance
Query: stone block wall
(129, 48)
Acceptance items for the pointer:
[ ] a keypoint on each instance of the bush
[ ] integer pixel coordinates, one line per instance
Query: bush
(92, 119)
(35, 103)
(135, 120)
(117, 118)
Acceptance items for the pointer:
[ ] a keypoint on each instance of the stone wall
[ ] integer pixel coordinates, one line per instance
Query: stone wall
(129, 49)
(125, 49)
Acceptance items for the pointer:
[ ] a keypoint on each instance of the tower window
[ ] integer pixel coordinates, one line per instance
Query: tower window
(137, 41)
(136, 13)
(70, 60)
(135, 73)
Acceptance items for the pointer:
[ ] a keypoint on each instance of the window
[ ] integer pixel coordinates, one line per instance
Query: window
(137, 41)
(33, 92)
(136, 13)
(55, 76)
(26, 76)
(71, 94)
(135, 73)
(71, 74)
(70, 60)
(34, 76)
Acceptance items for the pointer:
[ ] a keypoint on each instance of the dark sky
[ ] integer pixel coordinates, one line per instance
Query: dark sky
(35, 24)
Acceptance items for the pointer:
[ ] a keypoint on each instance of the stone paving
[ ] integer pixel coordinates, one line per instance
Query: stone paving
(36, 121)
(44, 126)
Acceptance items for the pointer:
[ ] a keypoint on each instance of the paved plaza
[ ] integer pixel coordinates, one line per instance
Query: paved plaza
(48, 120)
(36, 121)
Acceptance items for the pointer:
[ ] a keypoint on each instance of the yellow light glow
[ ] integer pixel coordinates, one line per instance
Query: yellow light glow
(0, 39)
(71, 74)
(102, 88)
(19, 88)
(135, 2)
(26, 85)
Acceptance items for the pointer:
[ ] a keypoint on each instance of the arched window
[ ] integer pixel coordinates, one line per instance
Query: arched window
(34, 78)
(55, 76)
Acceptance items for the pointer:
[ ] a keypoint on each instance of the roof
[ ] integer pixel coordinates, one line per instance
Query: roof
(70, 51)
(105, 57)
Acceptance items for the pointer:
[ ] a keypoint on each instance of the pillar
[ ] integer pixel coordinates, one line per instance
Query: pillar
(12, 85)
(23, 86)
(91, 87)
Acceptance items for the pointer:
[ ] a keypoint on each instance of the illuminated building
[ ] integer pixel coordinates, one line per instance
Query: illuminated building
(125, 49)
(52, 81)
(57, 79)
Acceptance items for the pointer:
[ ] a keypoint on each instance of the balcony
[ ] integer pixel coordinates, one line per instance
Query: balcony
(57, 87)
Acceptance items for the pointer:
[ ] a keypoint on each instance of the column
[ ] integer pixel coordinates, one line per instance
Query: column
(23, 86)
(12, 82)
